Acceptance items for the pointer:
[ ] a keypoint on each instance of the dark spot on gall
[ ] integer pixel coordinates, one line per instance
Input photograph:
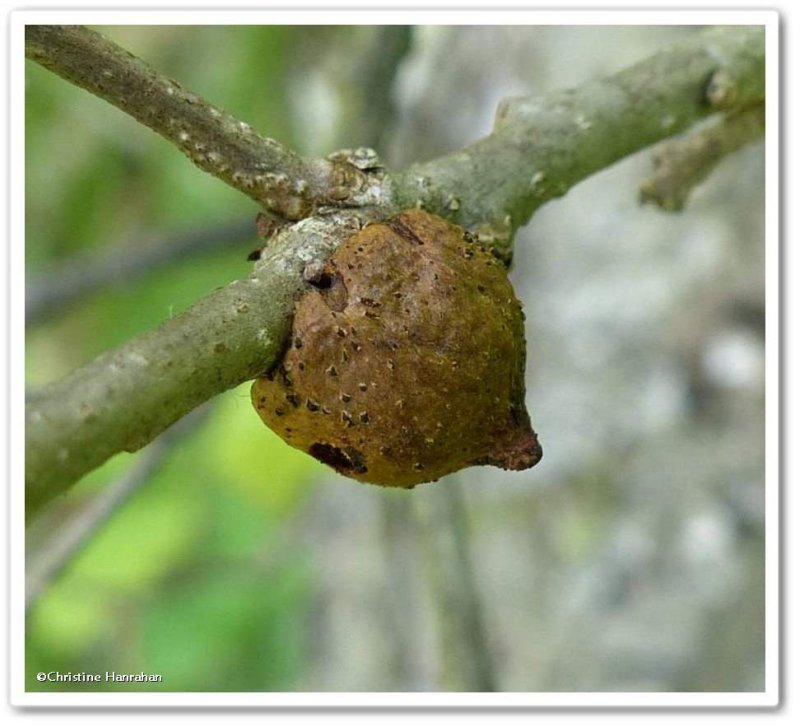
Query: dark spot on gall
(330, 455)
(346, 462)
(322, 281)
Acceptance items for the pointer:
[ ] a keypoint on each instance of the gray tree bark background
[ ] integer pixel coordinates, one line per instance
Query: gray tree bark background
(638, 542)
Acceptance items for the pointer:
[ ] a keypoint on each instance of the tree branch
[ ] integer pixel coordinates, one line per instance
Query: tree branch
(372, 76)
(539, 148)
(542, 146)
(682, 164)
(275, 177)
(124, 398)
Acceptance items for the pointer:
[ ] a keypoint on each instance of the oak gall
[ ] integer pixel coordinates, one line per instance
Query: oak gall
(406, 360)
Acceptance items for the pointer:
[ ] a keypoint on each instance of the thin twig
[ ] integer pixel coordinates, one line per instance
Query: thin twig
(70, 540)
(75, 279)
(401, 591)
(280, 180)
(469, 665)
(375, 75)
(482, 669)
(682, 164)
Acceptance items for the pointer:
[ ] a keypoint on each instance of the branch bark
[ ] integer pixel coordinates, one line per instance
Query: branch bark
(126, 397)
(682, 164)
(538, 149)
(541, 146)
(280, 180)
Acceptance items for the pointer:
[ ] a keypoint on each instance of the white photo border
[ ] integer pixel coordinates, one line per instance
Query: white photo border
(770, 697)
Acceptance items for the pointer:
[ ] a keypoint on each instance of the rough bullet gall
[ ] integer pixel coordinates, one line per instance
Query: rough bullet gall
(407, 359)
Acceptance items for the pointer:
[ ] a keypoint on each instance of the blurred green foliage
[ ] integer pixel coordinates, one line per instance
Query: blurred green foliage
(183, 581)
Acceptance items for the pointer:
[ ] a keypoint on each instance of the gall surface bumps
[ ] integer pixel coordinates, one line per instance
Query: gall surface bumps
(407, 359)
